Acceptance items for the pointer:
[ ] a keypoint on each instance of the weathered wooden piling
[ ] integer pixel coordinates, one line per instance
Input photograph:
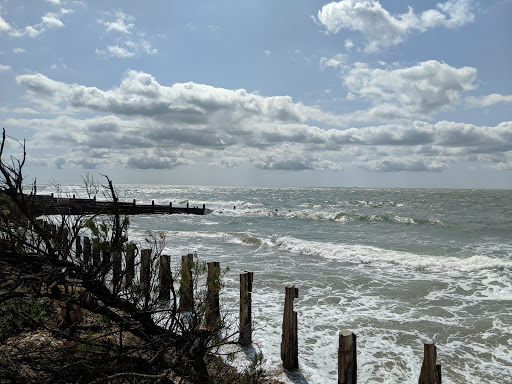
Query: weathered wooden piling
(96, 251)
(130, 265)
(87, 250)
(212, 295)
(78, 248)
(164, 277)
(186, 283)
(289, 340)
(347, 358)
(430, 369)
(245, 338)
(145, 274)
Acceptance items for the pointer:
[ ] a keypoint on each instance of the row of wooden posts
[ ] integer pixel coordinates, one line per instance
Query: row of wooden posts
(50, 205)
(347, 352)
(347, 355)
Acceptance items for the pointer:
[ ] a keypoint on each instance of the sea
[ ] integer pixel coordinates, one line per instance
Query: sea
(397, 267)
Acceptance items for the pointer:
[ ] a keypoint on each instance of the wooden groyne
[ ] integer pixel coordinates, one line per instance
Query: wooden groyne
(50, 205)
(155, 280)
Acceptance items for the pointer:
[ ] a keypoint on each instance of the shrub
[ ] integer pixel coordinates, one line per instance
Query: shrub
(17, 315)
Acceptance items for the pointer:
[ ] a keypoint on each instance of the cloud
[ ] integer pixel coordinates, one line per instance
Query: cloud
(290, 157)
(4, 25)
(154, 163)
(338, 61)
(381, 29)
(42, 89)
(60, 162)
(399, 164)
(404, 93)
(85, 163)
(122, 22)
(143, 124)
(115, 51)
(26, 111)
(49, 21)
(486, 101)
(140, 94)
(19, 50)
(4, 68)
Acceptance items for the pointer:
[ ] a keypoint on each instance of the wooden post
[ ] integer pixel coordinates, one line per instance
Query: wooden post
(130, 266)
(95, 252)
(170, 207)
(145, 274)
(153, 206)
(212, 295)
(430, 369)
(289, 340)
(134, 202)
(164, 274)
(245, 338)
(78, 247)
(116, 271)
(64, 246)
(347, 358)
(87, 250)
(186, 283)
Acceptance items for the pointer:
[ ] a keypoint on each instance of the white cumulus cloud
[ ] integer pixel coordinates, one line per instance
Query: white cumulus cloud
(382, 29)
(485, 101)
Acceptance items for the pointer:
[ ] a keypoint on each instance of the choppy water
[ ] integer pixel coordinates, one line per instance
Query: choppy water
(395, 266)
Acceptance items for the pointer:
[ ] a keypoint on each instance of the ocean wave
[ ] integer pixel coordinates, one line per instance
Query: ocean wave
(372, 255)
(320, 215)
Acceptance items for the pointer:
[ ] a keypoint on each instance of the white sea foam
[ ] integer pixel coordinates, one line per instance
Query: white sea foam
(379, 256)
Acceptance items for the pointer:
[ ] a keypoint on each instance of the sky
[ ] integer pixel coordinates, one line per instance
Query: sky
(365, 93)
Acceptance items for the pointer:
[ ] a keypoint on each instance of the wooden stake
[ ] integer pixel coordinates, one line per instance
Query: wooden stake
(164, 274)
(289, 340)
(186, 283)
(64, 246)
(145, 274)
(87, 250)
(95, 252)
(130, 266)
(430, 370)
(212, 295)
(347, 358)
(246, 279)
(78, 247)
